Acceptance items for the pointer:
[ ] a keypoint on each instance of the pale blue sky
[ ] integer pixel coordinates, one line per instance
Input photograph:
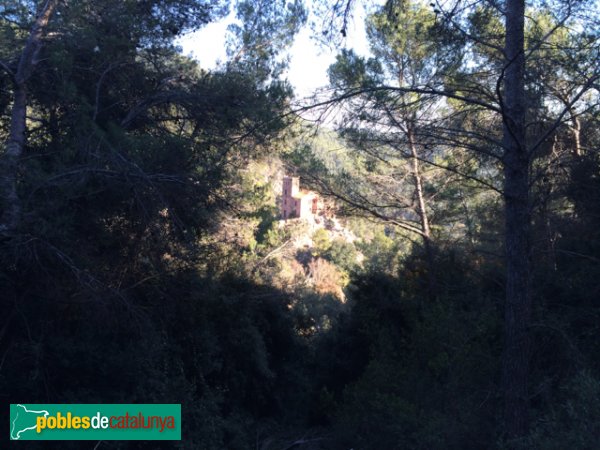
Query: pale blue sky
(309, 61)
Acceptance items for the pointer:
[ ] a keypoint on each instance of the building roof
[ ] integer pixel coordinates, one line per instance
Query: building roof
(304, 193)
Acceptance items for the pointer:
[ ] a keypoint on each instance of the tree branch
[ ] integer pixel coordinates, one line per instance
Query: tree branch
(9, 71)
(568, 106)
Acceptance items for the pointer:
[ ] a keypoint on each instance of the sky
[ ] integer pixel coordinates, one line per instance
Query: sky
(309, 62)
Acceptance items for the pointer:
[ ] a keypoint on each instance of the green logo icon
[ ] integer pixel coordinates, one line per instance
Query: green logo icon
(23, 419)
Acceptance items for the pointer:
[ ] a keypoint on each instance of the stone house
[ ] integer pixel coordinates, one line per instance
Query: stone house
(297, 203)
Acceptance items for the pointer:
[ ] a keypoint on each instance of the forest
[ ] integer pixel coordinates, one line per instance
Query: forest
(446, 295)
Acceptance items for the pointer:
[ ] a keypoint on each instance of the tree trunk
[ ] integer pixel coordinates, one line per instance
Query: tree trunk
(10, 160)
(421, 208)
(517, 314)
(576, 132)
(9, 164)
